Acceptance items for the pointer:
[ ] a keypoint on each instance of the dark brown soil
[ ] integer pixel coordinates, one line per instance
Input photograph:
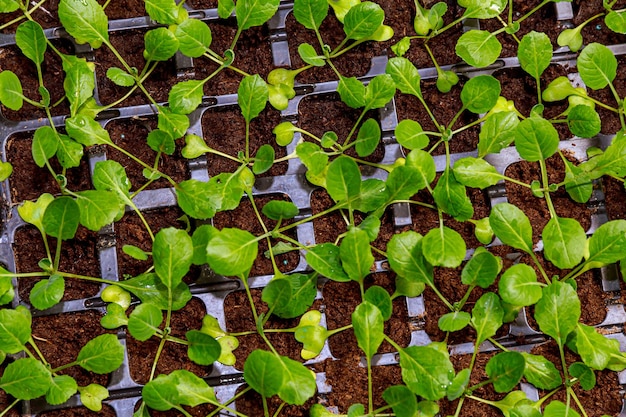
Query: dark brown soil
(225, 130)
(614, 198)
(11, 58)
(519, 86)
(444, 107)
(199, 411)
(341, 298)
(329, 227)
(131, 135)
(536, 208)
(28, 181)
(78, 256)
(239, 318)
(79, 412)
(60, 338)
(202, 4)
(323, 113)
(130, 45)
(605, 399)
(610, 119)
(253, 55)
(543, 20)
(141, 355)
(596, 31)
(244, 217)
(251, 404)
(131, 231)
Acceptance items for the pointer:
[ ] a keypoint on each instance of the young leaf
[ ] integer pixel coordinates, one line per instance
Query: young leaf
(11, 94)
(310, 56)
(85, 20)
(202, 348)
(343, 180)
(487, 316)
(368, 138)
(445, 246)
(160, 43)
(583, 121)
(252, 95)
(277, 210)
(426, 371)
(79, 81)
(564, 242)
(144, 321)
(511, 226)
(47, 292)
(478, 48)
(254, 12)
(406, 259)
(194, 37)
(61, 217)
(616, 21)
(482, 269)
(409, 134)
(92, 396)
(368, 324)
(61, 389)
(310, 13)
(115, 317)
(356, 254)
(496, 133)
(26, 379)
(14, 330)
(232, 251)
(476, 173)
(186, 96)
(540, 372)
(480, 94)
(102, 354)
(379, 297)
(535, 53)
(31, 40)
(379, 91)
(172, 252)
(597, 66)
(149, 289)
(32, 212)
(264, 159)
(362, 20)
(518, 286)
(405, 75)
(558, 311)
(454, 321)
(324, 258)
(120, 77)
(284, 133)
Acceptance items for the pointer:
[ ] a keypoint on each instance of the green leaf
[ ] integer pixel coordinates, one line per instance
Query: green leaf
(451, 197)
(310, 13)
(161, 393)
(379, 297)
(404, 182)
(558, 311)
(200, 240)
(518, 286)
(535, 53)
(160, 141)
(225, 8)
(457, 388)
(426, 371)
(160, 44)
(480, 94)
(284, 133)
(363, 20)
(149, 289)
(277, 210)
(583, 121)
(120, 77)
(373, 196)
(192, 390)
(252, 95)
(368, 138)
(505, 370)
(312, 156)
(194, 37)
(79, 81)
(11, 94)
(401, 400)
(44, 146)
(61, 217)
(87, 131)
(454, 321)
(409, 134)
(32, 212)
(166, 12)
(536, 139)
(31, 40)
(324, 258)
(144, 321)
(186, 96)
(263, 371)
(616, 21)
(481, 9)
(424, 163)
(594, 348)
(174, 124)
(172, 253)
(564, 242)
(47, 292)
(368, 324)
(379, 91)
(597, 66)
(92, 396)
(115, 317)
(482, 269)
(61, 389)
(476, 173)
(232, 251)
(585, 375)
(301, 294)
(405, 75)
(406, 259)
(310, 56)
(85, 20)
(540, 372)
(8, 6)
(487, 316)
(356, 254)
(298, 382)
(254, 12)
(14, 330)
(191, 195)
(478, 48)
(102, 354)
(352, 92)
(110, 176)
(343, 180)
(202, 348)
(264, 159)
(445, 246)
(511, 226)
(496, 133)
(98, 208)
(26, 379)
(608, 243)
(557, 409)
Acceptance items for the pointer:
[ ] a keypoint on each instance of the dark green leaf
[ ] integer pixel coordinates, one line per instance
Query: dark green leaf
(482, 269)
(149, 289)
(343, 180)
(518, 286)
(480, 94)
(352, 92)
(511, 226)
(540, 372)
(277, 210)
(298, 383)
(98, 208)
(85, 20)
(404, 252)
(356, 254)
(172, 253)
(310, 13)
(558, 311)
(404, 182)
(44, 146)
(202, 349)
(368, 138)
(583, 121)
(194, 37)
(102, 354)
(31, 40)
(191, 195)
(61, 217)
(585, 375)
(186, 96)
(505, 370)
(324, 258)
(263, 371)
(496, 133)
(451, 197)
(303, 292)
(264, 159)
(379, 297)
(401, 400)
